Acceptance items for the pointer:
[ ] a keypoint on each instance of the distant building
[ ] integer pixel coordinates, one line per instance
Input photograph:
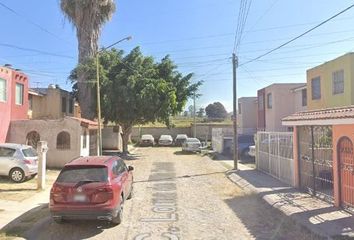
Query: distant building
(331, 84)
(276, 102)
(13, 98)
(51, 103)
(247, 115)
(300, 100)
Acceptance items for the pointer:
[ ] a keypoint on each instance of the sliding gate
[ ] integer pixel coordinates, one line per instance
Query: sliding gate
(315, 160)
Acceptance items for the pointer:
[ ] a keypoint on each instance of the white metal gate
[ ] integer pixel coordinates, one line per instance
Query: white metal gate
(275, 155)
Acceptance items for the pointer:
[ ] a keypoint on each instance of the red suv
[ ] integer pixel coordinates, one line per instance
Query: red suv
(92, 188)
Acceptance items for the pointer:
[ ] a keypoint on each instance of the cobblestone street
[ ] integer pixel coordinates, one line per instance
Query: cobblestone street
(179, 196)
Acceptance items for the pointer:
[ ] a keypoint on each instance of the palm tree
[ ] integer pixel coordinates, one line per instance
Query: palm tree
(88, 17)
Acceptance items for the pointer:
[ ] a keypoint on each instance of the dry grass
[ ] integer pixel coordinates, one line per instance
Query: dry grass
(20, 191)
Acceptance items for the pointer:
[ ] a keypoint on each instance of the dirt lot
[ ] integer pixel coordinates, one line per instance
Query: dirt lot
(11, 191)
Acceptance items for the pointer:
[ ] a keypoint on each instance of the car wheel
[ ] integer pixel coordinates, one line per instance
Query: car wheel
(17, 175)
(130, 193)
(118, 219)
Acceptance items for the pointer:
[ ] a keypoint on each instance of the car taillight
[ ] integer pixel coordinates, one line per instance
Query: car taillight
(27, 161)
(102, 194)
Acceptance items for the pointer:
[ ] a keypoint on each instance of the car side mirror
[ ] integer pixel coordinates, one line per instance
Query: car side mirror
(130, 168)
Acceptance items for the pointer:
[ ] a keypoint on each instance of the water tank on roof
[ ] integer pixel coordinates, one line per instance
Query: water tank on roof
(52, 86)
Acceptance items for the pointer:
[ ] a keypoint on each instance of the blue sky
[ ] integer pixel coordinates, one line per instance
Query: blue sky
(198, 34)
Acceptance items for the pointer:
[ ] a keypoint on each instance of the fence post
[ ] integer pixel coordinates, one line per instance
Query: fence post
(278, 157)
(42, 149)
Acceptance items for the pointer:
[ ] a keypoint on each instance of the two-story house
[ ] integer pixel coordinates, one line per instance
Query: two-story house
(276, 102)
(332, 83)
(13, 98)
(247, 115)
(50, 103)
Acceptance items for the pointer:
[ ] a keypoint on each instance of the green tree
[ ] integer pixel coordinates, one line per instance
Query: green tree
(201, 112)
(88, 17)
(137, 90)
(216, 111)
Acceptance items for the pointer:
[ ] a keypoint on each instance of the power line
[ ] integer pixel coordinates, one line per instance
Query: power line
(295, 38)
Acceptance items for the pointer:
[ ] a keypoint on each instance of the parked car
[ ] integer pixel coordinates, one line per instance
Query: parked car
(147, 140)
(180, 139)
(91, 188)
(191, 145)
(18, 161)
(165, 140)
(252, 151)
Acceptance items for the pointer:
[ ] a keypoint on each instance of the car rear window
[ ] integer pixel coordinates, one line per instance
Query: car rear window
(29, 152)
(83, 173)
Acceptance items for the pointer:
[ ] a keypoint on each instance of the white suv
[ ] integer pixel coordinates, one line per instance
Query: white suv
(18, 161)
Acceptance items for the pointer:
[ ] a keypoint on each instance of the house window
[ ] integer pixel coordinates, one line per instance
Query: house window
(71, 105)
(63, 141)
(19, 94)
(30, 101)
(260, 102)
(84, 140)
(304, 97)
(2, 90)
(316, 88)
(63, 104)
(338, 82)
(269, 101)
(239, 108)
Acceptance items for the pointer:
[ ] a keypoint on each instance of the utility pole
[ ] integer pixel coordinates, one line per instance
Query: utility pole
(99, 106)
(235, 142)
(194, 120)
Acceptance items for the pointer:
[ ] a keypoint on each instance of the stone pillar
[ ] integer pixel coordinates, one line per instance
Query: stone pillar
(42, 149)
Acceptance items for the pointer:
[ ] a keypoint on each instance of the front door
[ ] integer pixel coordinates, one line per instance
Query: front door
(346, 171)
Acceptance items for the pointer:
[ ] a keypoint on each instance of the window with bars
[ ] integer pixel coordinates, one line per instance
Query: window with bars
(316, 88)
(304, 97)
(63, 141)
(338, 82)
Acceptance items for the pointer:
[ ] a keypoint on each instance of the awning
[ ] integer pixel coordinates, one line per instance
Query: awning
(328, 116)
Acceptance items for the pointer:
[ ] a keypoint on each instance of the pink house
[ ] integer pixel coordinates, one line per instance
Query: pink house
(13, 98)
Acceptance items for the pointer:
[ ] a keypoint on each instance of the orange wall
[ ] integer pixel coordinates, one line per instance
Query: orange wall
(339, 131)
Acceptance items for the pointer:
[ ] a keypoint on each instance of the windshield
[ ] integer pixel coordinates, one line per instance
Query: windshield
(82, 174)
(29, 152)
(146, 137)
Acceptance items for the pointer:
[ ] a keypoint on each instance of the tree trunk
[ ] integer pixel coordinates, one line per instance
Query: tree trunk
(87, 37)
(126, 131)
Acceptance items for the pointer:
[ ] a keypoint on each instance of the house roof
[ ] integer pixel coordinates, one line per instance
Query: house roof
(328, 116)
(303, 86)
(86, 123)
(38, 91)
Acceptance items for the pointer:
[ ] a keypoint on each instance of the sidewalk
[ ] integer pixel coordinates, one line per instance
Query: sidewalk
(11, 210)
(318, 216)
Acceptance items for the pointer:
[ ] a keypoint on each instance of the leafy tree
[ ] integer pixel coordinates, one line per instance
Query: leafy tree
(137, 90)
(201, 112)
(216, 111)
(88, 17)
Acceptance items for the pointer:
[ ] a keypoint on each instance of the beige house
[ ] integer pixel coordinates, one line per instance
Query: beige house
(276, 102)
(67, 137)
(50, 103)
(247, 115)
(300, 99)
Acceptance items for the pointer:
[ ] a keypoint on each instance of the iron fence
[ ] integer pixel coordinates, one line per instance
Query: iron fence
(315, 160)
(275, 155)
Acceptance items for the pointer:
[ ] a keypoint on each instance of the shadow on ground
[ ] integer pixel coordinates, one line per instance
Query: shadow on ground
(266, 222)
(37, 224)
(124, 156)
(184, 153)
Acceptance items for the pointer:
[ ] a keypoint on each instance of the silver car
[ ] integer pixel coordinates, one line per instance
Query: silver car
(191, 145)
(18, 161)
(165, 140)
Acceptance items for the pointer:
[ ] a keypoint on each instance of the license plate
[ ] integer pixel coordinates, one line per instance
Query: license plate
(79, 198)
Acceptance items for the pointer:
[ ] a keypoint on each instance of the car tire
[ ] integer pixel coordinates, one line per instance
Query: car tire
(118, 219)
(130, 193)
(17, 175)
